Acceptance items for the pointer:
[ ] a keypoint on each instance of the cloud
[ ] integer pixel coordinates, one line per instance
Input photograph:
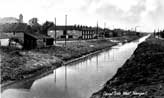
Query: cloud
(131, 15)
(148, 14)
(152, 18)
(157, 15)
(122, 13)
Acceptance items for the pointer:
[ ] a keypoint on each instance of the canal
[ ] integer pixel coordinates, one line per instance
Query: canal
(76, 80)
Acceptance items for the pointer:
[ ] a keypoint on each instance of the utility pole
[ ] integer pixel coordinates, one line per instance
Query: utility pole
(131, 29)
(97, 29)
(136, 28)
(154, 33)
(104, 29)
(158, 33)
(104, 25)
(55, 30)
(113, 27)
(65, 29)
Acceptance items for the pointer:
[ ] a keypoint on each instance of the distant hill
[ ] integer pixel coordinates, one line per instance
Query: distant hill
(8, 20)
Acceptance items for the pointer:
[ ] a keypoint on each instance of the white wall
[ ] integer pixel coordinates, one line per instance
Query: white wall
(51, 33)
(75, 33)
(4, 42)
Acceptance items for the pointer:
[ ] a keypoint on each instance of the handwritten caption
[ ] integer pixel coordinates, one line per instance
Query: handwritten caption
(126, 93)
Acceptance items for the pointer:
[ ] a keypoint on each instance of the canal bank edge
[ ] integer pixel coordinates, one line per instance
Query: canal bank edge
(141, 76)
(46, 70)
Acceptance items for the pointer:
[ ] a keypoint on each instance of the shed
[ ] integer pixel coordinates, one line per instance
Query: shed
(36, 40)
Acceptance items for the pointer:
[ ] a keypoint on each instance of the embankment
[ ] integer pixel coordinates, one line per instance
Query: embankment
(18, 64)
(142, 76)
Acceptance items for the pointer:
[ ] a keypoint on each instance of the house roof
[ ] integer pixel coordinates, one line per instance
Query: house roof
(70, 27)
(21, 27)
(14, 27)
(37, 35)
(4, 36)
(73, 27)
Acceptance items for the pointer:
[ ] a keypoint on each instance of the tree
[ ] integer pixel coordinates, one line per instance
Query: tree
(162, 34)
(35, 26)
(28, 29)
(46, 26)
(138, 34)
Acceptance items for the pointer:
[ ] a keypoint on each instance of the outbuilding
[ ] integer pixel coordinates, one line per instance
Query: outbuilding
(37, 40)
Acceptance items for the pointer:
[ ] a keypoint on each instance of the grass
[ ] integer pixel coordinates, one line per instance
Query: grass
(143, 72)
(75, 49)
(18, 64)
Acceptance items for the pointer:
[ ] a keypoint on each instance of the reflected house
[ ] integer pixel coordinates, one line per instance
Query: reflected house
(25, 85)
(36, 40)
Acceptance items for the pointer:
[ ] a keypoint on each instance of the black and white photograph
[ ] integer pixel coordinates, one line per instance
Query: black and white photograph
(82, 48)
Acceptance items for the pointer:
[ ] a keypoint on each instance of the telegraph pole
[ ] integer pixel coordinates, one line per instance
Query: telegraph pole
(104, 29)
(65, 29)
(55, 30)
(113, 27)
(136, 28)
(97, 29)
(158, 33)
(104, 25)
(154, 33)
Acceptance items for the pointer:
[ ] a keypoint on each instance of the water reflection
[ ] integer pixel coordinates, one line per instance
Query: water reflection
(65, 77)
(26, 85)
(55, 76)
(79, 79)
(97, 63)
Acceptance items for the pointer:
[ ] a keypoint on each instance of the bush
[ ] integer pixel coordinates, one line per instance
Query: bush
(162, 34)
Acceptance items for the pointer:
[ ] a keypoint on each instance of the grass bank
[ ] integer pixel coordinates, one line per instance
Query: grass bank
(20, 64)
(142, 76)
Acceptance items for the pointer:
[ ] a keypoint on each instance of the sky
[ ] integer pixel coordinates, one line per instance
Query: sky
(145, 15)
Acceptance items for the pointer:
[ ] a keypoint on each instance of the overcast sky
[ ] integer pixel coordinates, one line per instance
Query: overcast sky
(146, 14)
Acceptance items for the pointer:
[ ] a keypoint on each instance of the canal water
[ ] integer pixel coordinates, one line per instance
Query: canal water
(79, 79)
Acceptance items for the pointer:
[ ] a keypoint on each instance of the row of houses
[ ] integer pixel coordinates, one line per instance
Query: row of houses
(73, 32)
(83, 32)
(33, 40)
